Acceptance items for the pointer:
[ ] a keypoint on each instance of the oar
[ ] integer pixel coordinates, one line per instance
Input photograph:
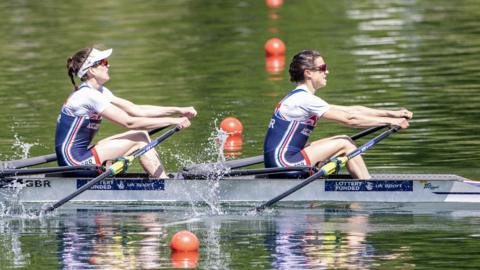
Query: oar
(265, 171)
(366, 132)
(33, 161)
(33, 171)
(118, 166)
(199, 169)
(329, 168)
(22, 163)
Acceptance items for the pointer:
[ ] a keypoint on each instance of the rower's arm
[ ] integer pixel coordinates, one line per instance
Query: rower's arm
(402, 113)
(358, 119)
(120, 117)
(152, 111)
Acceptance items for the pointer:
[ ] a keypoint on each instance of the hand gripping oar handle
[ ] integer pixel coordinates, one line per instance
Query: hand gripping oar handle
(117, 167)
(329, 168)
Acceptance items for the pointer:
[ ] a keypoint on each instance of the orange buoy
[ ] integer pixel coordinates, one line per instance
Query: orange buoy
(274, 3)
(274, 47)
(231, 126)
(274, 64)
(187, 259)
(233, 143)
(184, 241)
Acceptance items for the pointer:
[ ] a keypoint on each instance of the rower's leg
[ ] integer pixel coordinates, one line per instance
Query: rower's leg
(336, 146)
(125, 143)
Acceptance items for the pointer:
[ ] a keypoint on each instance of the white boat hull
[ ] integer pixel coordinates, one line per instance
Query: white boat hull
(383, 188)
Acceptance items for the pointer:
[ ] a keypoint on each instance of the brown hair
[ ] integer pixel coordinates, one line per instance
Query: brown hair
(74, 64)
(300, 62)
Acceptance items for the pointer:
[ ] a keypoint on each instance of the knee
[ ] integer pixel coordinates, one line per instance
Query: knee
(347, 142)
(141, 136)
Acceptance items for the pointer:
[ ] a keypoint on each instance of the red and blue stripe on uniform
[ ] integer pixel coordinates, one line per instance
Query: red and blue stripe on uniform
(285, 139)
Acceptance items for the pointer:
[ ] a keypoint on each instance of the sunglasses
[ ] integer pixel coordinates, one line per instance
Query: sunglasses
(321, 68)
(103, 62)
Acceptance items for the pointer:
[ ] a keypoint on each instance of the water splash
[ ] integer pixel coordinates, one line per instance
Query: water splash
(209, 166)
(20, 148)
(10, 204)
(10, 188)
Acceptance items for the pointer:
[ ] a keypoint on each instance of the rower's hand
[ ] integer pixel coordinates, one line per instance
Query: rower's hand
(401, 122)
(406, 114)
(182, 122)
(188, 112)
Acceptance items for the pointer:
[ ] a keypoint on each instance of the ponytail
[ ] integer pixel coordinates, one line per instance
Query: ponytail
(74, 64)
(71, 72)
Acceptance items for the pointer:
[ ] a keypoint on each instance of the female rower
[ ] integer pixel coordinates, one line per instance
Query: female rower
(297, 113)
(82, 113)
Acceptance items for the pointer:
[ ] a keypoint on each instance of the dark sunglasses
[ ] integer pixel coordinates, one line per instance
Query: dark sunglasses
(103, 62)
(321, 68)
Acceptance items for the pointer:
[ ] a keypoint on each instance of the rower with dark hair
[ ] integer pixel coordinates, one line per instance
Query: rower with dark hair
(82, 112)
(296, 116)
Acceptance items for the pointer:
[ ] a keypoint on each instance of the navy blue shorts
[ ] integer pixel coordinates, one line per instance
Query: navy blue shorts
(288, 159)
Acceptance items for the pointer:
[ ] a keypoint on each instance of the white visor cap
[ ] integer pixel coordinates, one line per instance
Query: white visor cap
(94, 56)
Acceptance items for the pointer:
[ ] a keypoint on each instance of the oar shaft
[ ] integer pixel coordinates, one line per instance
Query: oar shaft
(238, 163)
(366, 132)
(290, 191)
(154, 143)
(328, 168)
(88, 185)
(22, 163)
(372, 142)
(11, 172)
(268, 171)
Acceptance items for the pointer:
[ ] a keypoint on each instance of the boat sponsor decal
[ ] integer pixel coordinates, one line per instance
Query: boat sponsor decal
(125, 184)
(430, 186)
(373, 185)
(31, 183)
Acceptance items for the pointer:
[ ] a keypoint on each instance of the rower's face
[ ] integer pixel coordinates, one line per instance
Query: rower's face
(101, 73)
(319, 75)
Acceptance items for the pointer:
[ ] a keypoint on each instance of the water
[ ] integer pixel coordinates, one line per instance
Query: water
(333, 236)
(416, 54)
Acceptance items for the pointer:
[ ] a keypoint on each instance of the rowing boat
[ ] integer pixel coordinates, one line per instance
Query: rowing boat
(230, 185)
(136, 188)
